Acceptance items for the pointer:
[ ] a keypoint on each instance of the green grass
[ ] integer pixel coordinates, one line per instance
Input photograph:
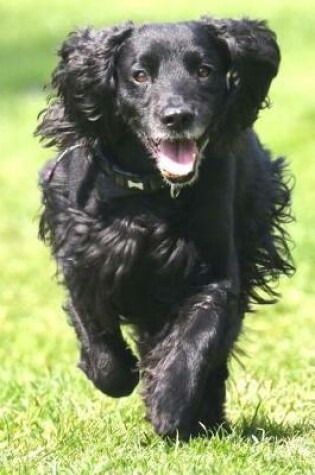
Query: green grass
(52, 421)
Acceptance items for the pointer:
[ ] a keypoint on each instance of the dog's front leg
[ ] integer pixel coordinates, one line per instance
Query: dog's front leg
(176, 369)
(105, 357)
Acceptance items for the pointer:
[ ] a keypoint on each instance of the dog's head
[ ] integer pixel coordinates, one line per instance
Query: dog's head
(174, 86)
(171, 83)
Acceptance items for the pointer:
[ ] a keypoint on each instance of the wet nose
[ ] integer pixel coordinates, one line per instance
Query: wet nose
(177, 118)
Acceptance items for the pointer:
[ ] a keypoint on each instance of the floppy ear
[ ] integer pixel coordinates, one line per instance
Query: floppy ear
(254, 59)
(84, 83)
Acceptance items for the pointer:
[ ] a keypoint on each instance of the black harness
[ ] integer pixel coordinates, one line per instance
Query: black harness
(97, 169)
(123, 179)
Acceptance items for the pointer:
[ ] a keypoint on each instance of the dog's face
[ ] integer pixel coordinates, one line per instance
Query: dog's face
(156, 94)
(171, 84)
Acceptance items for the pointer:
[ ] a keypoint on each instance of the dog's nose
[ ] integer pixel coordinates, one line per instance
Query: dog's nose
(177, 118)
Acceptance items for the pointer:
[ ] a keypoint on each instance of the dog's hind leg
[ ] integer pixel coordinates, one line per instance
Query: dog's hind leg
(105, 357)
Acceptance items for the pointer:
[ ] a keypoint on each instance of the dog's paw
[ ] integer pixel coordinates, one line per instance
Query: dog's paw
(170, 398)
(173, 420)
(167, 424)
(108, 374)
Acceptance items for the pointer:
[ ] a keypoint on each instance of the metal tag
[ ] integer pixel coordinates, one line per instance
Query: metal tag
(134, 184)
(174, 192)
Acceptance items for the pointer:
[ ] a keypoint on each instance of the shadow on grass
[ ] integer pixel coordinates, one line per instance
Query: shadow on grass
(257, 430)
(265, 429)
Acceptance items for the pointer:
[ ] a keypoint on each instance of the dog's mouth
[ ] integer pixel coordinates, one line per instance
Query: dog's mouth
(178, 159)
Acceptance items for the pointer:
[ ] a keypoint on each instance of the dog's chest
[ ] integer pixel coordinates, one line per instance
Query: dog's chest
(143, 258)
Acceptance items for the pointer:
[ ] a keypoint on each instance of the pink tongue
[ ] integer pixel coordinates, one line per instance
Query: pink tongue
(177, 157)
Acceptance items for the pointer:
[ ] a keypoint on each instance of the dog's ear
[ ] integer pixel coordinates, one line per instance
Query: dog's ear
(87, 67)
(253, 57)
(84, 85)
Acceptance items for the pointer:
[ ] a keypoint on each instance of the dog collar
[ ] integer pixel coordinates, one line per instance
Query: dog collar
(123, 179)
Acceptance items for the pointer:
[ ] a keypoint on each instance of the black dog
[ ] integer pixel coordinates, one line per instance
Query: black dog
(163, 210)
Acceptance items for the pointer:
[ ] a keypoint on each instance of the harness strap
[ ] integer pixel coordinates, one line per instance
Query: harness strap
(124, 179)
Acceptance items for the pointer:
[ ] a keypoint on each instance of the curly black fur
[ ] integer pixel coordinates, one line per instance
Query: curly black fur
(181, 271)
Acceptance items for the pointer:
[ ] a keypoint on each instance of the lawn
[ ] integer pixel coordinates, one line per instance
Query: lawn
(52, 421)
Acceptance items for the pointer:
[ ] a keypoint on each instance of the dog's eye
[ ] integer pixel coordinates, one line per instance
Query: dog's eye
(140, 76)
(204, 71)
